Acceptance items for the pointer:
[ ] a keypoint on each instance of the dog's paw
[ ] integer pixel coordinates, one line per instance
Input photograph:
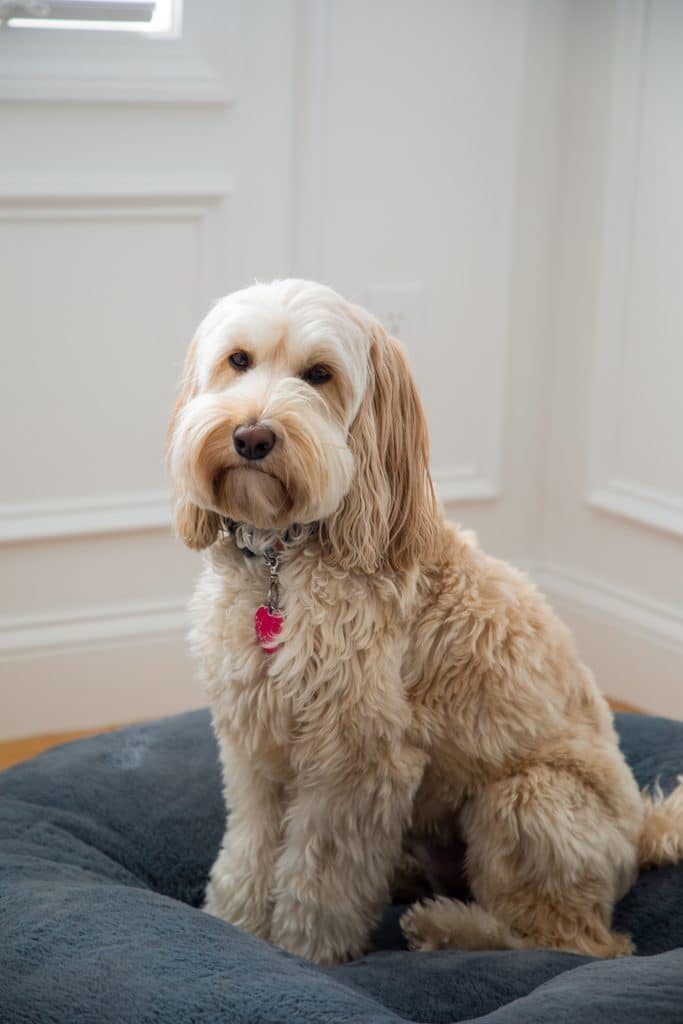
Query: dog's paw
(324, 938)
(418, 926)
(238, 905)
(441, 923)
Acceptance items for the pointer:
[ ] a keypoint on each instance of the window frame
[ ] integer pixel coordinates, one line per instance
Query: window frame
(92, 66)
(73, 13)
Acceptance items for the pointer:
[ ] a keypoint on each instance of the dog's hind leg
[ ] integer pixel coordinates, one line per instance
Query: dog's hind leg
(440, 923)
(549, 851)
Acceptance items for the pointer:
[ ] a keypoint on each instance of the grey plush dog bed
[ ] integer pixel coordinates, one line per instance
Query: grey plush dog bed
(105, 848)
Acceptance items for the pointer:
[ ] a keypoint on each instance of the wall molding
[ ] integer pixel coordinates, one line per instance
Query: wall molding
(43, 633)
(607, 489)
(115, 513)
(90, 667)
(658, 622)
(659, 509)
(56, 83)
(33, 197)
(146, 510)
(632, 642)
(131, 200)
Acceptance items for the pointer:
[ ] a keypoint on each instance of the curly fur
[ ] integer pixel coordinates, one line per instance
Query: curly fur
(421, 687)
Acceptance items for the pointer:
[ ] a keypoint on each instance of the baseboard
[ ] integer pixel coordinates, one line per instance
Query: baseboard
(87, 668)
(632, 642)
(654, 620)
(86, 627)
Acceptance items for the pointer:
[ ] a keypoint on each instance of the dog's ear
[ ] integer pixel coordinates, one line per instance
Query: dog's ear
(196, 527)
(389, 517)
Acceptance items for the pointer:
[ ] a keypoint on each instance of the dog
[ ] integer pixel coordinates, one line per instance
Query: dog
(373, 675)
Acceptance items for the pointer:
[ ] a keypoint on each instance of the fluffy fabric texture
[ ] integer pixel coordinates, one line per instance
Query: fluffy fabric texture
(105, 849)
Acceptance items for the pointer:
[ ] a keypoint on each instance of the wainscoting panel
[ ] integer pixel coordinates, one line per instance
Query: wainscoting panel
(105, 287)
(636, 469)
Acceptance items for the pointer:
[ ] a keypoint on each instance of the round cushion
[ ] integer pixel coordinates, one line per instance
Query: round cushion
(105, 849)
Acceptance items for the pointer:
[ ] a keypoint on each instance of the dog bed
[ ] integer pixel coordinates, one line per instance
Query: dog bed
(105, 848)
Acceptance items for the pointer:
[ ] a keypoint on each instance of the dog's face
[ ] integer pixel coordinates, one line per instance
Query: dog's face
(289, 404)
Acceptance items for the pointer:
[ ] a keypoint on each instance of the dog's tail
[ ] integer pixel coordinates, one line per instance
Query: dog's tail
(661, 838)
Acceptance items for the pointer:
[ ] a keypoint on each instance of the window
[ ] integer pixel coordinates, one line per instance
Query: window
(183, 53)
(157, 17)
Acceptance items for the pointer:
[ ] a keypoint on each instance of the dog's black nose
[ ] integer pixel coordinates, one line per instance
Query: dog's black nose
(253, 441)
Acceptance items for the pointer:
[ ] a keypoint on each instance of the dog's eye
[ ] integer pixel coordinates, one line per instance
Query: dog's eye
(240, 360)
(317, 375)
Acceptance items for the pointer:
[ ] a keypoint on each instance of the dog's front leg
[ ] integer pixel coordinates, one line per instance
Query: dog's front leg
(241, 881)
(341, 845)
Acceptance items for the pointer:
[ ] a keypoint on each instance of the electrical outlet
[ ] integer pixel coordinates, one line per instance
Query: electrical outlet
(400, 308)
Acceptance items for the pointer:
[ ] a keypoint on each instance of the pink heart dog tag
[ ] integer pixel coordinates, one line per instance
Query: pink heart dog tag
(268, 625)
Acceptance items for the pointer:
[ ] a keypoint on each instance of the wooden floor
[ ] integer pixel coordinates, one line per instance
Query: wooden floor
(14, 751)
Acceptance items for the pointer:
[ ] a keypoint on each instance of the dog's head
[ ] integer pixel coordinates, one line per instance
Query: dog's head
(296, 407)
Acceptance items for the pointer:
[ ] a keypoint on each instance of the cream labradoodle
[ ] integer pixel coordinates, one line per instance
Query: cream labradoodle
(374, 675)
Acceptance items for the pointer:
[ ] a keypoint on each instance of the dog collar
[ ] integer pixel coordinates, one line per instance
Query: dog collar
(269, 617)
(253, 541)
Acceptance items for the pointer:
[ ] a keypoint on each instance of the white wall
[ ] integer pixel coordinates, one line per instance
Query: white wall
(613, 498)
(467, 148)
